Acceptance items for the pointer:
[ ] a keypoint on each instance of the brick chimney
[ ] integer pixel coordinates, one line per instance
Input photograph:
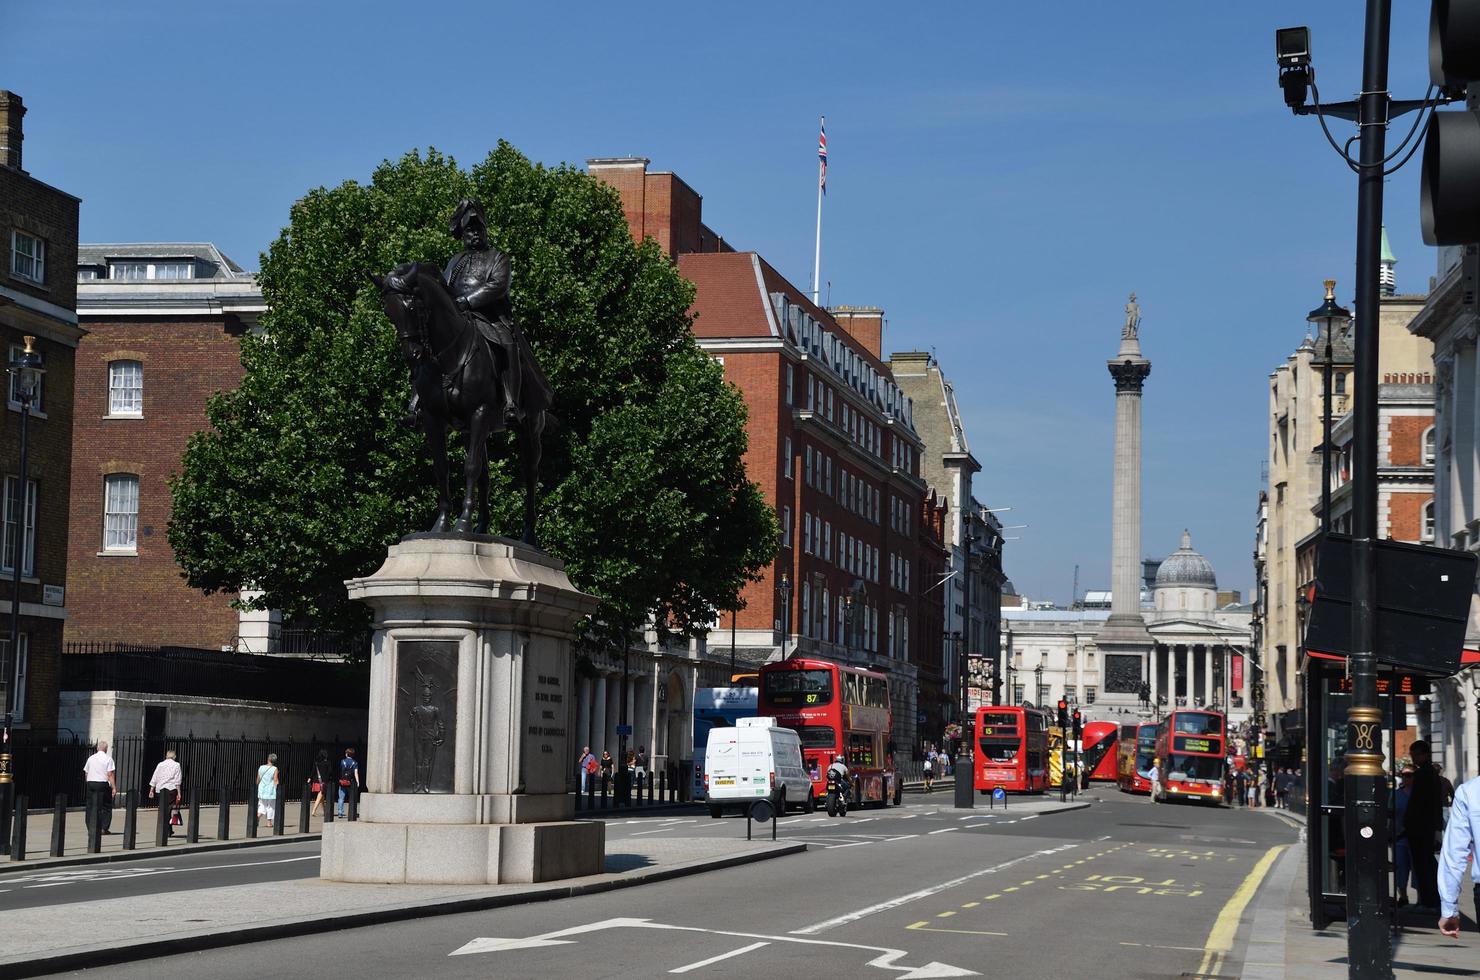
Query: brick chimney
(657, 204)
(865, 324)
(11, 111)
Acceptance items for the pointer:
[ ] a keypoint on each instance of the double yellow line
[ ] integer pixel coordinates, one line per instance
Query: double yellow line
(1225, 927)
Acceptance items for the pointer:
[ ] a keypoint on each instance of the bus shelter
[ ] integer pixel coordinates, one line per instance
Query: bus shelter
(1327, 698)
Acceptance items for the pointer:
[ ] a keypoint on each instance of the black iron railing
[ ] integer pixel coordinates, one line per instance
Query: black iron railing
(210, 673)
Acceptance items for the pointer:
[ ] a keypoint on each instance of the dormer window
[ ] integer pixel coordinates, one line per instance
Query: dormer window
(137, 270)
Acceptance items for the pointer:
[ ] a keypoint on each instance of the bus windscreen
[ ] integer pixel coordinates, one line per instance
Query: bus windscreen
(1195, 767)
(797, 688)
(1198, 723)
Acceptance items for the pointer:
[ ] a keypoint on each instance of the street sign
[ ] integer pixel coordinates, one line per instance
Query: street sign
(624, 730)
(999, 794)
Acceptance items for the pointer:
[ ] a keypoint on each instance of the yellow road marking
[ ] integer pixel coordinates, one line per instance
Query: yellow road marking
(1011, 888)
(1041, 877)
(1180, 949)
(917, 925)
(1225, 927)
(945, 915)
(990, 897)
(971, 905)
(922, 927)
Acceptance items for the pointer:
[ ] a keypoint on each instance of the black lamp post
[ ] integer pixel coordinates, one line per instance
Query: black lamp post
(27, 370)
(1327, 317)
(1038, 685)
(963, 773)
(784, 590)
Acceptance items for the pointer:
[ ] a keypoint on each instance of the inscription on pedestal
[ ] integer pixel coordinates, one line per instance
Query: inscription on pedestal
(426, 716)
(546, 710)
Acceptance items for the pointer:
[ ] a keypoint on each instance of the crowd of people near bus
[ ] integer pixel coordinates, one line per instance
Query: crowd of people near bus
(1276, 787)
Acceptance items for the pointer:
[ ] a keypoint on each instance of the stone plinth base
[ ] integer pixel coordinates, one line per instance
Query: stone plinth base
(466, 808)
(461, 854)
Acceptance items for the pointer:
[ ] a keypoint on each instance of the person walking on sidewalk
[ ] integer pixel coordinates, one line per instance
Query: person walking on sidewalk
(166, 782)
(929, 773)
(1460, 842)
(349, 778)
(1423, 823)
(267, 787)
(1154, 775)
(1402, 853)
(586, 766)
(323, 778)
(101, 785)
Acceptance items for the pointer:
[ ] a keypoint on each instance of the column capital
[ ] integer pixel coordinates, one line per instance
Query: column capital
(1130, 375)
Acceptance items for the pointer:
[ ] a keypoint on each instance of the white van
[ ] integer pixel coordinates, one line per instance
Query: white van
(754, 760)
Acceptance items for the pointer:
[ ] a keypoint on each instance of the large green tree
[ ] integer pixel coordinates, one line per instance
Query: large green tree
(307, 474)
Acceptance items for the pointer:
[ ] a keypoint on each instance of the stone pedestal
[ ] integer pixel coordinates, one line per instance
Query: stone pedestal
(472, 705)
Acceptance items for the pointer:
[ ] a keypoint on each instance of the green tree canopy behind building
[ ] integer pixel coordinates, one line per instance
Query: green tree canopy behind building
(307, 473)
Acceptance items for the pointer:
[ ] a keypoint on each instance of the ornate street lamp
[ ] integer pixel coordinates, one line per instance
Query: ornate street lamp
(26, 370)
(1327, 317)
(784, 590)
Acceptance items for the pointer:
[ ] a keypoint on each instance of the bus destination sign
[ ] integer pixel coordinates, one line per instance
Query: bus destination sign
(1187, 743)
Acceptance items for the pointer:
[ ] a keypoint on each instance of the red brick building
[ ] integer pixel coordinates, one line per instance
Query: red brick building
(163, 324)
(38, 236)
(831, 444)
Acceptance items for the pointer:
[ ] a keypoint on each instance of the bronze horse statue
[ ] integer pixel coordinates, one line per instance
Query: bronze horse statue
(456, 377)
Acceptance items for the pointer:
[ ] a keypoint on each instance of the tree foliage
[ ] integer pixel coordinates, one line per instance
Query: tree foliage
(307, 473)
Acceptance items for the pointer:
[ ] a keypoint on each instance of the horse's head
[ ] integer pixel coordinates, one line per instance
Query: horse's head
(399, 295)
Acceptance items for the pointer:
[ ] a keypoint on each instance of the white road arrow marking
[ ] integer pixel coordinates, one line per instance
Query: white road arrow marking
(503, 945)
(887, 958)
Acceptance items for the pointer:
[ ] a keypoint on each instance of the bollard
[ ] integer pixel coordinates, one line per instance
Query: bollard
(59, 825)
(130, 819)
(94, 811)
(279, 811)
(192, 835)
(18, 841)
(223, 815)
(641, 778)
(605, 802)
(305, 806)
(252, 818)
(162, 822)
(579, 794)
(354, 801)
(662, 785)
(590, 793)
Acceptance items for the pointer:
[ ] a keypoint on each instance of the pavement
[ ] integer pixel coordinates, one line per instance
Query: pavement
(164, 905)
(1282, 943)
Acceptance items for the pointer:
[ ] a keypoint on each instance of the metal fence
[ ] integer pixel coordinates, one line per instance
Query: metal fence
(50, 763)
(211, 673)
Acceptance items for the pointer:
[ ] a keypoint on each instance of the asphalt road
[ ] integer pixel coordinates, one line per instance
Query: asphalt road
(1123, 889)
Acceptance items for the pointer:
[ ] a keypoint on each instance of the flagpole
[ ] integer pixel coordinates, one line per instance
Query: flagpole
(817, 255)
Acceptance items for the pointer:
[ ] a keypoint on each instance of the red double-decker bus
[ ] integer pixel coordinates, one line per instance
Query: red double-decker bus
(1137, 749)
(1101, 740)
(837, 711)
(1014, 749)
(1190, 752)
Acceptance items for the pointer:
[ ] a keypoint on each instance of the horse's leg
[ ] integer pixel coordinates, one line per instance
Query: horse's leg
(483, 499)
(436, 432)
(530, 449)
(477, 462)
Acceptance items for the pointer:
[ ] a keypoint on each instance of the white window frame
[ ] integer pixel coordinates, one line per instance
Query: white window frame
(33, 257)
(118, 531)
(135, 405)
(786, 456)
(1427, 516)
(8, 497)
(152, 269)
(1426, 446)
(20, 670)
(790, 381)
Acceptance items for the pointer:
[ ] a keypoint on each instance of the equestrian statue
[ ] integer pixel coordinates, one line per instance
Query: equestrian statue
(471, 367)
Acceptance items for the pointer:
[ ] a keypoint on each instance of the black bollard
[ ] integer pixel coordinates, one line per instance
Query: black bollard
(130, 819)
(605, 802)
(252, 819)
(192, 835)
(305, 806)
(223, 814)
(18, 839)
(94, 809)
(662, 786)
(329, 803)
(279, 811)
(639, 788)
(59, 825)
(354, 801)
(590, 793)
(162, 821)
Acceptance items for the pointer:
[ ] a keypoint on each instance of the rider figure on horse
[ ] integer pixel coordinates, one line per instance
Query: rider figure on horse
(478, 279)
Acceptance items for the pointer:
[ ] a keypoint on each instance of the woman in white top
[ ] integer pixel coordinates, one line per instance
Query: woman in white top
(267, 784)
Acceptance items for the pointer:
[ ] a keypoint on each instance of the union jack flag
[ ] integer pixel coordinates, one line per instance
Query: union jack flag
(822, 155)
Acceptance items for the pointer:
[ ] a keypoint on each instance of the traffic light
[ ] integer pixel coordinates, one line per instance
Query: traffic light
(1063, 713)
(1078, 725)
(1449, 200)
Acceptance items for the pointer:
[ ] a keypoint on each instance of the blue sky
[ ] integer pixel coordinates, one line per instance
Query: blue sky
(1001, 176)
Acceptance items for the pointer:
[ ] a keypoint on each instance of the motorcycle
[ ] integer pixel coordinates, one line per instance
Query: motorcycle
(837, 795)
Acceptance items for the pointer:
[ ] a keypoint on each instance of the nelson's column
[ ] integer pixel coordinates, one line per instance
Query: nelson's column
(1123, 641)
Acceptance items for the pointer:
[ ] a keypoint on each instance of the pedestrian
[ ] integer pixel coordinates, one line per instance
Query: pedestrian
(166, 783)
(607, 764)
(1402, 853)
(267, 784)
(1460, 841)
(101, 785)
(1423, 823)
(1267, 782)
(323, 777)
(1154, 776)
(929, 772)
(1281, 788)
(641, 767)
(1254, 789)
(586, 766)
(349, 779)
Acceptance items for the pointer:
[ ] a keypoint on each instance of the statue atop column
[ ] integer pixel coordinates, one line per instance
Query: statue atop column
(1132, 319)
